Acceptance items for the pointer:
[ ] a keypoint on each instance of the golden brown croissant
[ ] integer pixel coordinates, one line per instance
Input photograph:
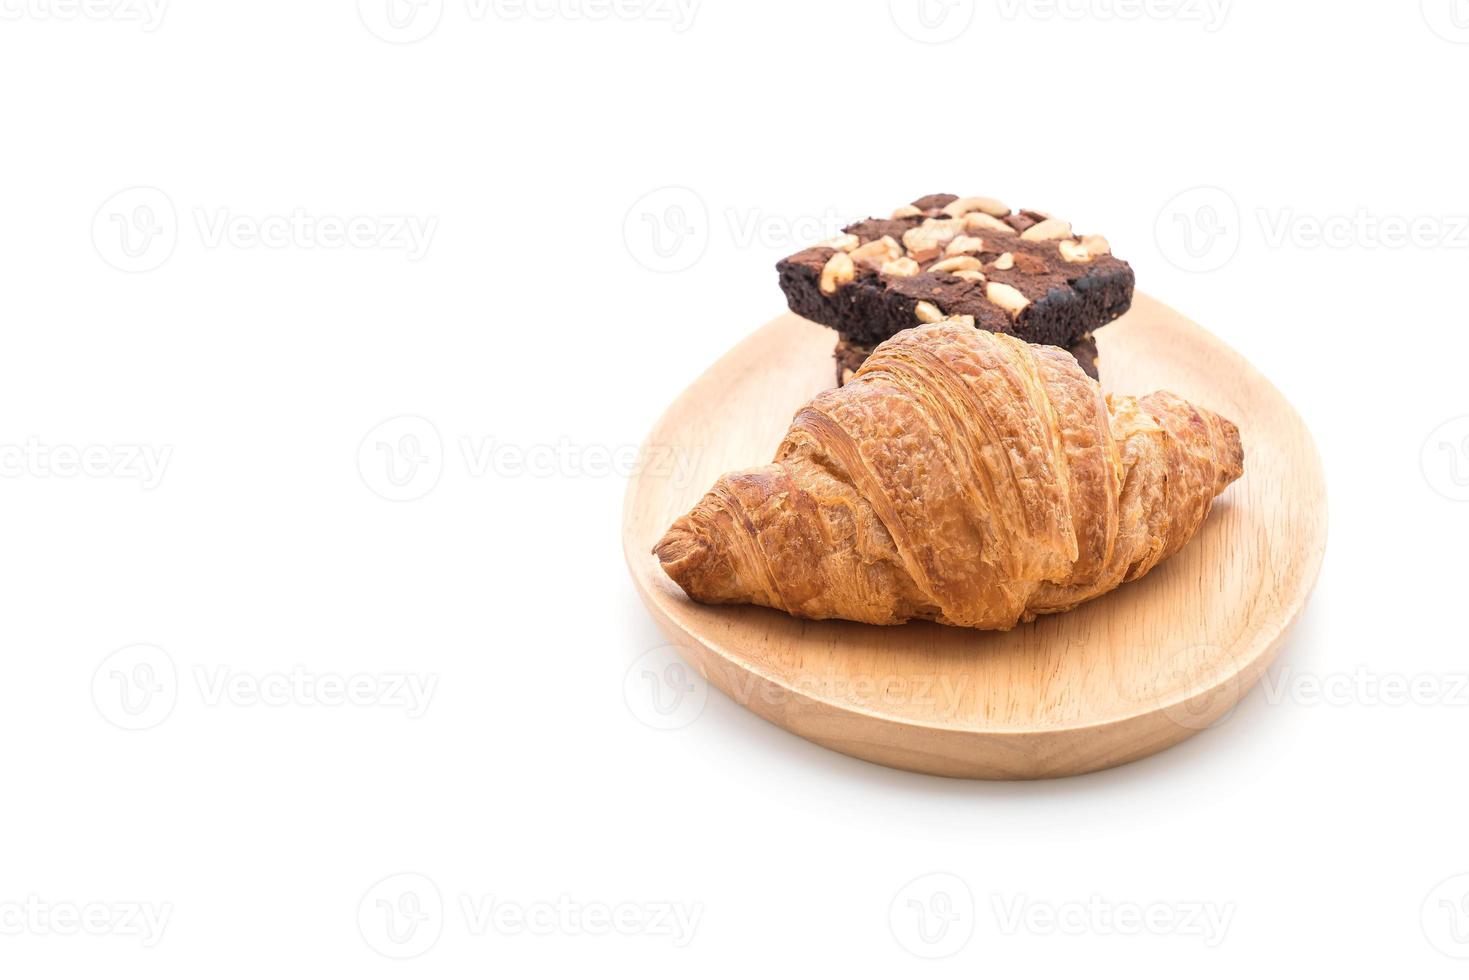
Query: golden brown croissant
(961, 476)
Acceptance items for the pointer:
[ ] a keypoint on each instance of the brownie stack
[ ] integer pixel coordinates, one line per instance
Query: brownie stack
(1021, 273)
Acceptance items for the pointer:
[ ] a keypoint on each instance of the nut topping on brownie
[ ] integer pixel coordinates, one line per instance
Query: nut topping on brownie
(1018, 272)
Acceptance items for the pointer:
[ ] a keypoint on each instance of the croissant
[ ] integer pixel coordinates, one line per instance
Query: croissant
(961, 476)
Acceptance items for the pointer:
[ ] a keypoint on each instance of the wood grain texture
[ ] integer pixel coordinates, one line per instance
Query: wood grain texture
(1117, 679)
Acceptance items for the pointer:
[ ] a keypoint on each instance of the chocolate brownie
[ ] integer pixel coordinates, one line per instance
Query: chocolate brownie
(1020, 272)
(849, 357)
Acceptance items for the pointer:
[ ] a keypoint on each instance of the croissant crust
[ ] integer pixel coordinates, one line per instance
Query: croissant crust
(961, 476)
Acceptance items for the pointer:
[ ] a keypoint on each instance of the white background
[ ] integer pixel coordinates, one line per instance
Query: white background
(532, 337)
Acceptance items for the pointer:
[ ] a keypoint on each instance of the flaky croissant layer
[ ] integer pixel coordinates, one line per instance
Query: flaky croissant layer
(961, 476)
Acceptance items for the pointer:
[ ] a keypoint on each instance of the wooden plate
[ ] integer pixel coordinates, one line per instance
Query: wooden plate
(1117, 679)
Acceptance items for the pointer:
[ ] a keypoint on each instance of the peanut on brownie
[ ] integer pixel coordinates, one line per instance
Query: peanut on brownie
(1022, 273)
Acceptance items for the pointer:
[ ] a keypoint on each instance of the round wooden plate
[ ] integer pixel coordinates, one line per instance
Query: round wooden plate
(1117, 679)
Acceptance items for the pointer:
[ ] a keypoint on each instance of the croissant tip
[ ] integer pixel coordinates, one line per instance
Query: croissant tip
(681, 552)
(1232, 459)
(672, 546)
